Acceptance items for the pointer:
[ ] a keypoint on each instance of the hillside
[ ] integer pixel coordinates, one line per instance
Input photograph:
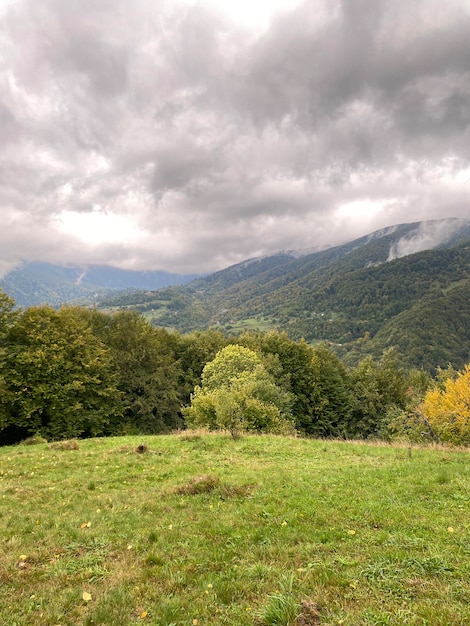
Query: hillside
(38, 283)
(206, 530)
(404, 286)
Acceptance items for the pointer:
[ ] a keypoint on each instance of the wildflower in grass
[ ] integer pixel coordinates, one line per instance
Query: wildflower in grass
(351, 532)
(284, 523)
(450, 529)
(143, 615)
(86, 597)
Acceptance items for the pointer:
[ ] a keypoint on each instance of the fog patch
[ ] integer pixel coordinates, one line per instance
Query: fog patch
(428, 235)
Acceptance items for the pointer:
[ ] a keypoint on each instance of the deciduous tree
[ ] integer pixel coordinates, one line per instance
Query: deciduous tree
(448, 409)
(58, 377)
(238, 394)
(148, 375)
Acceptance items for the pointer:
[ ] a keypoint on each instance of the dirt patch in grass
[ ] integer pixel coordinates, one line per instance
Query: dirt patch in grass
(309, 614)
(141, 448)
(199, 484)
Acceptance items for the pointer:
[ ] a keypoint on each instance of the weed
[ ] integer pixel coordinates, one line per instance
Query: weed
(192, 435)
(281, 608)
(153, 537)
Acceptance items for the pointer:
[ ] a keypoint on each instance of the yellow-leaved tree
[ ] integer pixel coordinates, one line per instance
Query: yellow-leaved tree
(447, 409)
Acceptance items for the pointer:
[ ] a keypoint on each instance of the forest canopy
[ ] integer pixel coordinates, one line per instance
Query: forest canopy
(77, 372)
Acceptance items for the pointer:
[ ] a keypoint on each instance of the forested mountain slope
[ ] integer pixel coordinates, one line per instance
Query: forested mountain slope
(404, 286)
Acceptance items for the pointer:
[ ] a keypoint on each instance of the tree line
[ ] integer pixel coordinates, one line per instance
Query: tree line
(77, 372)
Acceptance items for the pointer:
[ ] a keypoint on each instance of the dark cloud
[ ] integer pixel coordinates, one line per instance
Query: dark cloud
(191, 142)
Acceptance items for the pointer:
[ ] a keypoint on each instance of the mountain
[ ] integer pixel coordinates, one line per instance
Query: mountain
(38, 283)
(405, 286)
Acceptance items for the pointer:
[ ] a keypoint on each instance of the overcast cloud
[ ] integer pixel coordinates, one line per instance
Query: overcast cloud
(155, 134)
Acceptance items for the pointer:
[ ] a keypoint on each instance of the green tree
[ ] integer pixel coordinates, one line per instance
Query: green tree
(148, 374)
(8, 314)
(193, 351)
(408, 423)
(58, 377)
(237, 393)
(330, 395)
(290, 362)
(377, 386)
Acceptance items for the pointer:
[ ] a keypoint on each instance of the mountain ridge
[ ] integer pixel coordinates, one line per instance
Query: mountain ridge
(340, 295)
(36, 283)
(405, 286)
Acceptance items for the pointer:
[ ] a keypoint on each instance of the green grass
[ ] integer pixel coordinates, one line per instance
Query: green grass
(262, 324)
(260, 530)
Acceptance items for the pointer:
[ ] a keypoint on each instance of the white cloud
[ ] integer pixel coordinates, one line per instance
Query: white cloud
(98, 227)
(249, 14)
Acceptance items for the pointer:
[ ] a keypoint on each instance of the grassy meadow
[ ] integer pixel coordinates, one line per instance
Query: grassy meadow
(200, 529)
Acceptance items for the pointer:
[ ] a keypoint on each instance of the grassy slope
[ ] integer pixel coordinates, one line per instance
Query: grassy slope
(373, 535)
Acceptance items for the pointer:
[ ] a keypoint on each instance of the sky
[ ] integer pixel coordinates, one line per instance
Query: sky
(187, 136)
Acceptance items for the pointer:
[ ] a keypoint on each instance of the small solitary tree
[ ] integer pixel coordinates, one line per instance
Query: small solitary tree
(238, 394)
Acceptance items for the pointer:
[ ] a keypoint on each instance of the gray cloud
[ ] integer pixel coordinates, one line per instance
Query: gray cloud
(192, 143)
